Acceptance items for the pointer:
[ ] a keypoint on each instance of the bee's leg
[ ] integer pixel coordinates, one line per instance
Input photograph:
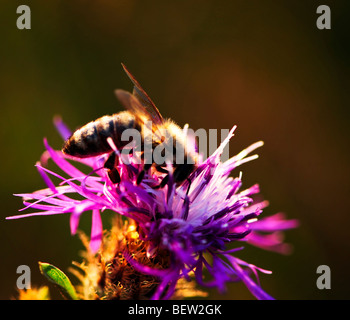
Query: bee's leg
(185, 210)
(178, 173)
(165, 180)
(114, 175)
(161, 169)
(162, 183)
(146, 167)
(189, 186)
(112, 171)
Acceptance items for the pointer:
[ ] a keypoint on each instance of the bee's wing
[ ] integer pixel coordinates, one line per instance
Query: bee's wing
(130, 102)
(146, 105)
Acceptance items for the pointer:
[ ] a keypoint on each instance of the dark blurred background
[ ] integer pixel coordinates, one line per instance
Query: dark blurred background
(262, 65)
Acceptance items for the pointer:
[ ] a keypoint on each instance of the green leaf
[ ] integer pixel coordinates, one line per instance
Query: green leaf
(58, 277)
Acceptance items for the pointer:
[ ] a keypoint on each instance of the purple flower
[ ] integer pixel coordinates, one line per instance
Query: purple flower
(193, 223)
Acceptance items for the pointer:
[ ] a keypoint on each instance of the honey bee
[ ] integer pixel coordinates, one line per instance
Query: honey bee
(92, 139)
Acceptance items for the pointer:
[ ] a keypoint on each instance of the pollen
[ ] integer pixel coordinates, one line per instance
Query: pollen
(108, 275)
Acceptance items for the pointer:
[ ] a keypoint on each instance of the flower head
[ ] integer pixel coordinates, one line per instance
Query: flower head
(190, 225)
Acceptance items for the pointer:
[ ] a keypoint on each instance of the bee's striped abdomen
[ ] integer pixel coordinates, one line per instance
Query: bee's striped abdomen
(91, 139)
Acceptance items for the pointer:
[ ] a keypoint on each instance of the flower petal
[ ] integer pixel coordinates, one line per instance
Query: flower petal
(96, 231)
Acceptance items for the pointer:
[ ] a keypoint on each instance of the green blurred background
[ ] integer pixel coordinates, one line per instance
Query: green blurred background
(262, 65)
